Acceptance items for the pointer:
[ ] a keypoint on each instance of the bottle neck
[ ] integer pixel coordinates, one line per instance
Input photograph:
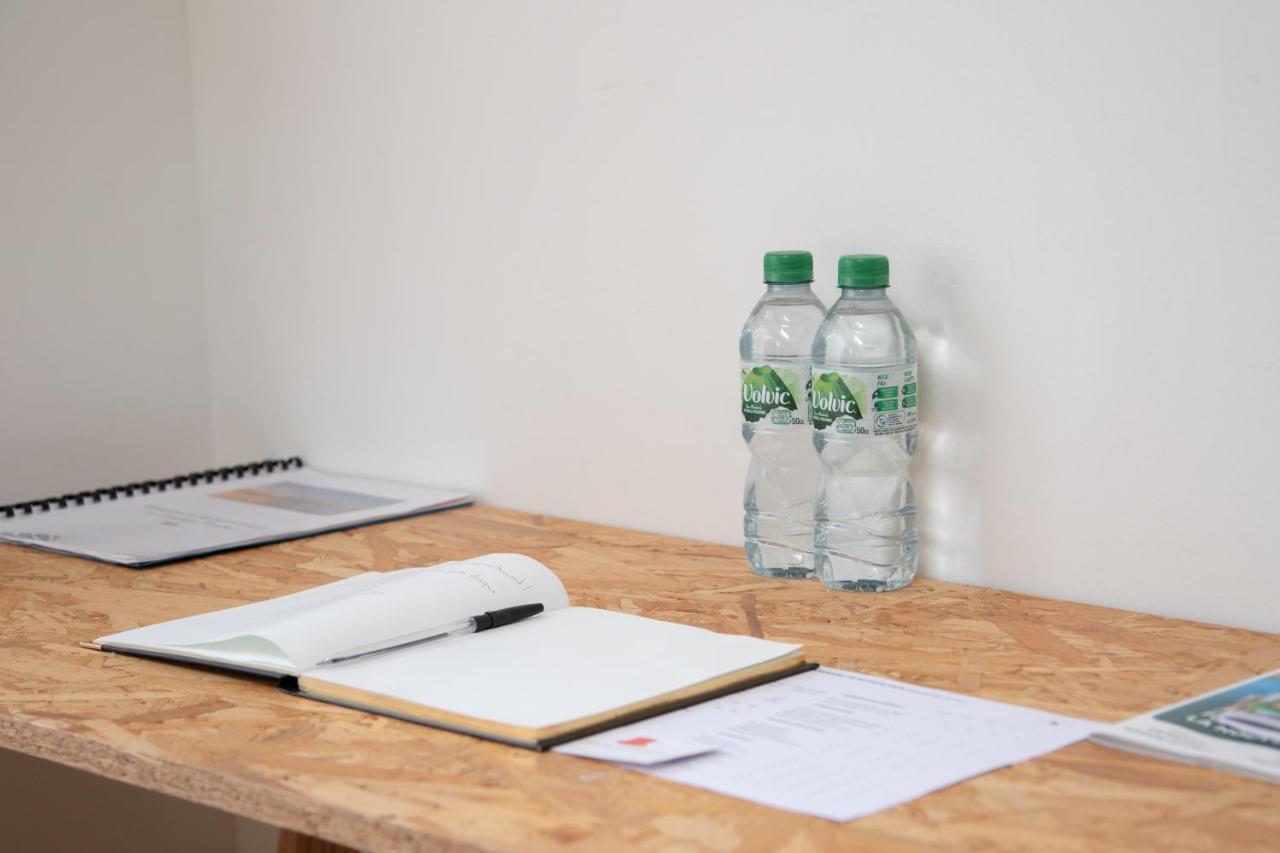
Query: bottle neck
(863, 294)
(787, 289)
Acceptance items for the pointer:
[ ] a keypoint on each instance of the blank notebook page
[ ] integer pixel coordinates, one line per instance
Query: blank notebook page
(554, 668)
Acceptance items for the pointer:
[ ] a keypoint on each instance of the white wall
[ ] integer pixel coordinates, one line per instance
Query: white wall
(508, 246)
(103, 362)
(104, 372)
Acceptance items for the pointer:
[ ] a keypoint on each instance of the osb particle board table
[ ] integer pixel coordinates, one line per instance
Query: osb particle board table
(375, 783)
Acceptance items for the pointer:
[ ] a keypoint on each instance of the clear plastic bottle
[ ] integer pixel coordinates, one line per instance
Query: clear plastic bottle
(775, 346)
(864, 412)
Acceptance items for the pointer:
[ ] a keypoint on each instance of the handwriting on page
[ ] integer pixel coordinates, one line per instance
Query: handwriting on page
(486, 576)
(521, 583)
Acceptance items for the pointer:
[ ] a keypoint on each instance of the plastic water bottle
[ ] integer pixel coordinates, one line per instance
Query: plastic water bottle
(864, 412)
(775, 347)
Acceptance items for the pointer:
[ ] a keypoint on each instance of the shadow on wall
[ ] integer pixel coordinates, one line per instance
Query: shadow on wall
(948, 469)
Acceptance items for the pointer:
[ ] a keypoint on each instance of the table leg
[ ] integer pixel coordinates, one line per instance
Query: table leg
(296, 842)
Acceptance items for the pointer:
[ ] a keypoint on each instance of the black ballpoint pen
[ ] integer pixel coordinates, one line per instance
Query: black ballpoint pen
(483, 622)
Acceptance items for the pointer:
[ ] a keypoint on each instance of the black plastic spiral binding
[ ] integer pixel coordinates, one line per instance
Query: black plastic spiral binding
(195, 478)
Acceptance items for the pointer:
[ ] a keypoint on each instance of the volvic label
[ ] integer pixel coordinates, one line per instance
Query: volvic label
(778, 395)
(864, 402)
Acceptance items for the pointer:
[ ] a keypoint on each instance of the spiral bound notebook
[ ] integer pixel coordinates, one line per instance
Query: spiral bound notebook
(157, 521)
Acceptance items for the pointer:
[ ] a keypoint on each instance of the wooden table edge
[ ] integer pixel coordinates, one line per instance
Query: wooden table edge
(260, 801)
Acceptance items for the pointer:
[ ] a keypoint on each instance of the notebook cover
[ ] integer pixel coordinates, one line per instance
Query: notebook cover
(216, 666)
(289, 684)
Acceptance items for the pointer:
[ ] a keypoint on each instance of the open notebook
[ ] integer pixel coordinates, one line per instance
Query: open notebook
(565, 673)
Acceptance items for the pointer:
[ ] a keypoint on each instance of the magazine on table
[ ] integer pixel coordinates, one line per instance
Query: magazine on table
(1236, 729)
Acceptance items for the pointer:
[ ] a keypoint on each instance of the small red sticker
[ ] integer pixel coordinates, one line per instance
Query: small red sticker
(637, 741)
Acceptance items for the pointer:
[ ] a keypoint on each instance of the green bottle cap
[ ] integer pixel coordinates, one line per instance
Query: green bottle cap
(788, 267)
(863, 271)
